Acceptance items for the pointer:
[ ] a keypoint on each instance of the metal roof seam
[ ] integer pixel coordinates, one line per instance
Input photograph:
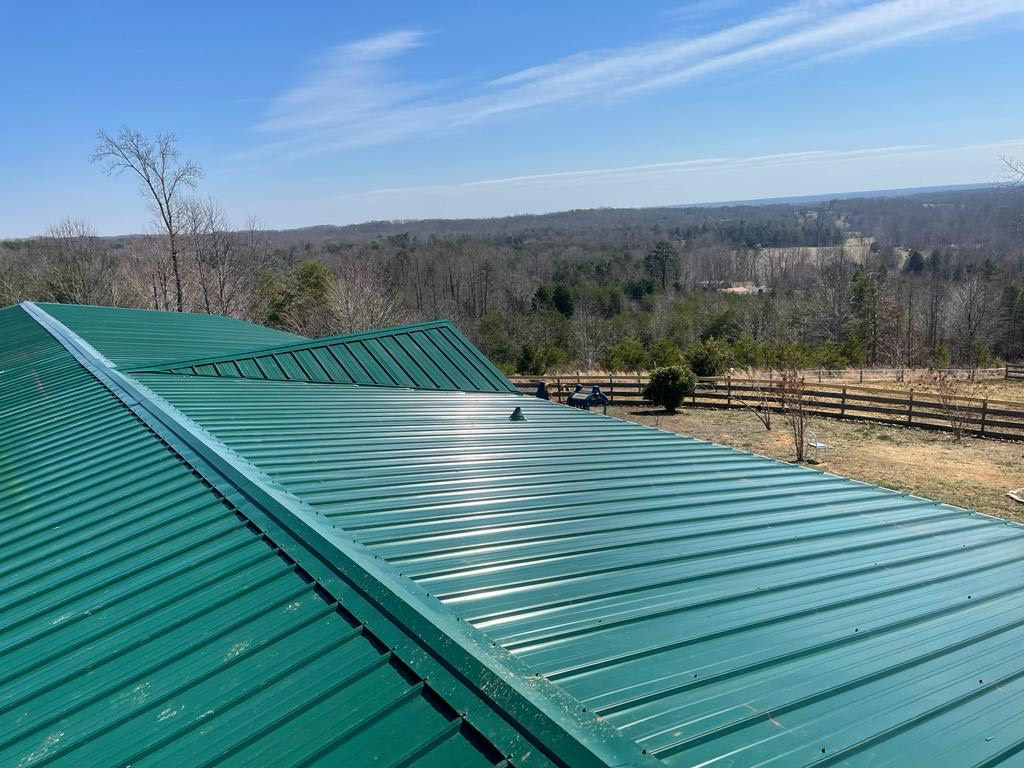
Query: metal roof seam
(426, 635)
(761, 615)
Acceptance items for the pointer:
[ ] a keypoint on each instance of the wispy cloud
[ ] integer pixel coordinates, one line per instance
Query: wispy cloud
(349, 84)
(354, 95)
(700, 10)
(609, 177)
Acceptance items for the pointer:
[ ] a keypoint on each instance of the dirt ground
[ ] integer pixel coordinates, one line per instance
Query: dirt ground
(974, 473)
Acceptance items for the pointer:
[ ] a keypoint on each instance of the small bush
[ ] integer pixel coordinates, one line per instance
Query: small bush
(668, 386)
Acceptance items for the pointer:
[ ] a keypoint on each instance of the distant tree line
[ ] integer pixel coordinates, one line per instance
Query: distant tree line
(912, 281)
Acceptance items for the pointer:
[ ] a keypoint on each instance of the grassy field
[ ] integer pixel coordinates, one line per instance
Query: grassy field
(974, 473)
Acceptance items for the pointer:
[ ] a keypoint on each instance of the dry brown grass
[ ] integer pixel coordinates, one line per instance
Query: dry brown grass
(993, 389)
(975, 473)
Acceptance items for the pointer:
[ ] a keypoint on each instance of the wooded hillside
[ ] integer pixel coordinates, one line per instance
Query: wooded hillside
(935, 278)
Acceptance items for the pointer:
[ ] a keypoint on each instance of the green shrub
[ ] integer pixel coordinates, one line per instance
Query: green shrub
(534, 360)
(627, 355)
(708, 358)
(747, 352)
(668, 386)
(665, 353)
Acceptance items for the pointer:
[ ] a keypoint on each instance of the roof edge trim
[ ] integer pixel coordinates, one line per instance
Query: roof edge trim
(500, 696)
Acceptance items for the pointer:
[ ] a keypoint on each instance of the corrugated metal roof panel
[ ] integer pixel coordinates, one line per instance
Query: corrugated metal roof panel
(424, 356)
(144, 622)
(131, 337)
(718, 607)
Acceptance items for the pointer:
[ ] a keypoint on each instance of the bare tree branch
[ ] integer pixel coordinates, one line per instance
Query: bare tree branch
(158, 166)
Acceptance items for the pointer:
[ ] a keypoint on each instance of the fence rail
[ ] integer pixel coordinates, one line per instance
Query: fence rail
(1014, 371)
(983, 417)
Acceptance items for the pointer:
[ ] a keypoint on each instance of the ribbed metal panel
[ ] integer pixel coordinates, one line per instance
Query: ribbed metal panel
(718, 607)
(423, 356)
(144, 622)
(130, 337)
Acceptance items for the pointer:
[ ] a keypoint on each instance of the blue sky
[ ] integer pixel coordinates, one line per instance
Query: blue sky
(324, 112)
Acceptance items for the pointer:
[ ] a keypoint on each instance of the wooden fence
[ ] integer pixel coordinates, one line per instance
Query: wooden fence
(1014, 371)
(983, 417)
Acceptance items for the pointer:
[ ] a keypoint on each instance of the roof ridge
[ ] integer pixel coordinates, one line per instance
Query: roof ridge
(432, 355)
(500, 696)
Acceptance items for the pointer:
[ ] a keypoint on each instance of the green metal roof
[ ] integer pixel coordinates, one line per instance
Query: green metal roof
(566, 589)
(131, 337)
(425, 356)
(717, 607)
(143, 621)
(223, 620)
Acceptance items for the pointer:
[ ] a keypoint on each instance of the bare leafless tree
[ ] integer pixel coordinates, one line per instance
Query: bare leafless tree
(794, 409)
(222, 269)
(959, 400)
(590, 332)
(972, 312)
(762, 397)
(833, 301)
(255, 243)
(79, 266)
(363, 298)
(1013, 170)
(9, 293)
(163, 178)
(147, 270)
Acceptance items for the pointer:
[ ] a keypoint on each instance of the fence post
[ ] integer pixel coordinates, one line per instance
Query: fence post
(861, 375)
(728, 391)
(558, 387)
(910, 408)
(842, 403)
(984, 412)
(819, 375)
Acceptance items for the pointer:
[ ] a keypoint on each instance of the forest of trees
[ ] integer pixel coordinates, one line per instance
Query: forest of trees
(919, 280)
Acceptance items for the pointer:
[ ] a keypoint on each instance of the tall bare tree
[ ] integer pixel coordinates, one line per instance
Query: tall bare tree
(163, 178)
